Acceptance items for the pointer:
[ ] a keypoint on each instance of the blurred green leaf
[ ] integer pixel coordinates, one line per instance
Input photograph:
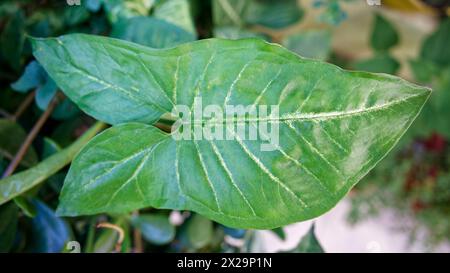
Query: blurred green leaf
(26, 205)
(381, 63)
(424, 71)
(273, 14)
(12, 40)
(65, 110)
(177, 12)
(151, 32)
(315, 44)
(199, 231)
(9, 215)
(45, 93)
(50, 147)
(155, 228)
(74, 15)
(12, 136)
(33, 76)
(384, 35)
(50, 233)
(436, 47)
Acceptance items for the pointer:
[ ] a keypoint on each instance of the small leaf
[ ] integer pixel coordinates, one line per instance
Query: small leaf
(314, 44)
(93, 5)
(424, 71)
(309, 243)
(280, 233)
(9, 215)
(50, 233)
(155, 228)
(384, 36)
(334, 127)
(151, 32)
(33, 76)
(381, 63)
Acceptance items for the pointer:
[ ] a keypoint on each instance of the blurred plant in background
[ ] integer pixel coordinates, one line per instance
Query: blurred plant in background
(38, 119)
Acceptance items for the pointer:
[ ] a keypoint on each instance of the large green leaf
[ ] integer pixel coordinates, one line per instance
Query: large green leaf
(334, 127)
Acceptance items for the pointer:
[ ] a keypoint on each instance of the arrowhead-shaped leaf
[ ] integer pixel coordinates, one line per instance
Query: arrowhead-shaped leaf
(334, 127)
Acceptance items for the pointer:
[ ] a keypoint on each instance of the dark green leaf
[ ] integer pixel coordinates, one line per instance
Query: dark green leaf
(280, 233)
(334, 127)
(155, 228)
(12, 40)
(384, 36)
(50, 148)
(9, 215)
(65, 110)
(435, 48)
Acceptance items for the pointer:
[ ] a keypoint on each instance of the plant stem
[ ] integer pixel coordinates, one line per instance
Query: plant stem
(30, 137)
(23, 106)
(19, 183)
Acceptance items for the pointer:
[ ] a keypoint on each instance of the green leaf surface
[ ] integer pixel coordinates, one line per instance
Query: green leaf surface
(384, 36)
(26, 205)
(12, 40)
(315, 44)
(155, 228)
(151, 32)
(334, 127)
